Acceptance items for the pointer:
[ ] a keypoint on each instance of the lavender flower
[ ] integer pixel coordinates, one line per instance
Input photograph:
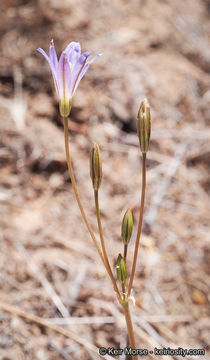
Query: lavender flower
(67, 72)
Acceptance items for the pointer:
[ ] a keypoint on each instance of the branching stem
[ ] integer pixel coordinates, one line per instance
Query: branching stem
(74, 186)
(124, 300)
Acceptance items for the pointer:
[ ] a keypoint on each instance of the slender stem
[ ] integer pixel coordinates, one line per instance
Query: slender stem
(68, 158)
(129, 325)
(124, 291)
(125, 252)
(103, 242)
(143, 189)
(71, 173)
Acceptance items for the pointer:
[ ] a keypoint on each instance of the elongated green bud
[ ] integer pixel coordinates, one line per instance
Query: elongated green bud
(95, 167)
(121, 269)
(144, 125)
(127, 227)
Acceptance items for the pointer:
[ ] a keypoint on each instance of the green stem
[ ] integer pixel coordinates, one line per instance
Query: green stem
(103, 242)
(71, 173)
(143, 189)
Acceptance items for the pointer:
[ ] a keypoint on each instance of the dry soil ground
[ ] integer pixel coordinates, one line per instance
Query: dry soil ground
(48, 264)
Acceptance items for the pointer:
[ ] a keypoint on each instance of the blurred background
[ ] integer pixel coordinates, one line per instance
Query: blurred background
(49, 267)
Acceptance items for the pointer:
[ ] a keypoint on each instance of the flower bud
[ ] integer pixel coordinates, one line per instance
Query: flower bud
(144, 125)
(127, 227)
(121, 269)
(95, 167)
(65, 107)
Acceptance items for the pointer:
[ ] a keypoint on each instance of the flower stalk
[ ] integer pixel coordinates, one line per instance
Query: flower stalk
(108, 267)
(125, 252)
(141, 213)
(67, 73)
(74, 186)
(129, 325)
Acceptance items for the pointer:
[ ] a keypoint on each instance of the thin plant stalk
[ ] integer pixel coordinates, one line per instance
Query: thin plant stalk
(71, 173)
(123, 291)
(129, 325)
(103, 255)
(143, 190)
(124, 302)
(103, 242)
(125, 252)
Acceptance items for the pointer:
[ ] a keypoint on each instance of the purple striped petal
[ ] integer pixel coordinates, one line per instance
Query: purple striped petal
(53, 55)
(93, 59)
(68, 71)
(82, 73)
(73, 51)
(51, 67)
(45, 55)
(73, 45)
(64, 77)
(84, 65)
(87, 53)
(78, 67)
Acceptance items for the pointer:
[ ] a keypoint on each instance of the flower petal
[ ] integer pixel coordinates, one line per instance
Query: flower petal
(93, 59)
(53, 55)
(83, 69)
(69, 70)
(64, 77)
(77, 68)
(45, 55)
(52, 69)
(82, 73)
(73, 51)
(73, 45)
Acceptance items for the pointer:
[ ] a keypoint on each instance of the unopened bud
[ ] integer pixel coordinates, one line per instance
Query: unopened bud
(121, 269)
(127, 227)
(95, 167)
(144, 125)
